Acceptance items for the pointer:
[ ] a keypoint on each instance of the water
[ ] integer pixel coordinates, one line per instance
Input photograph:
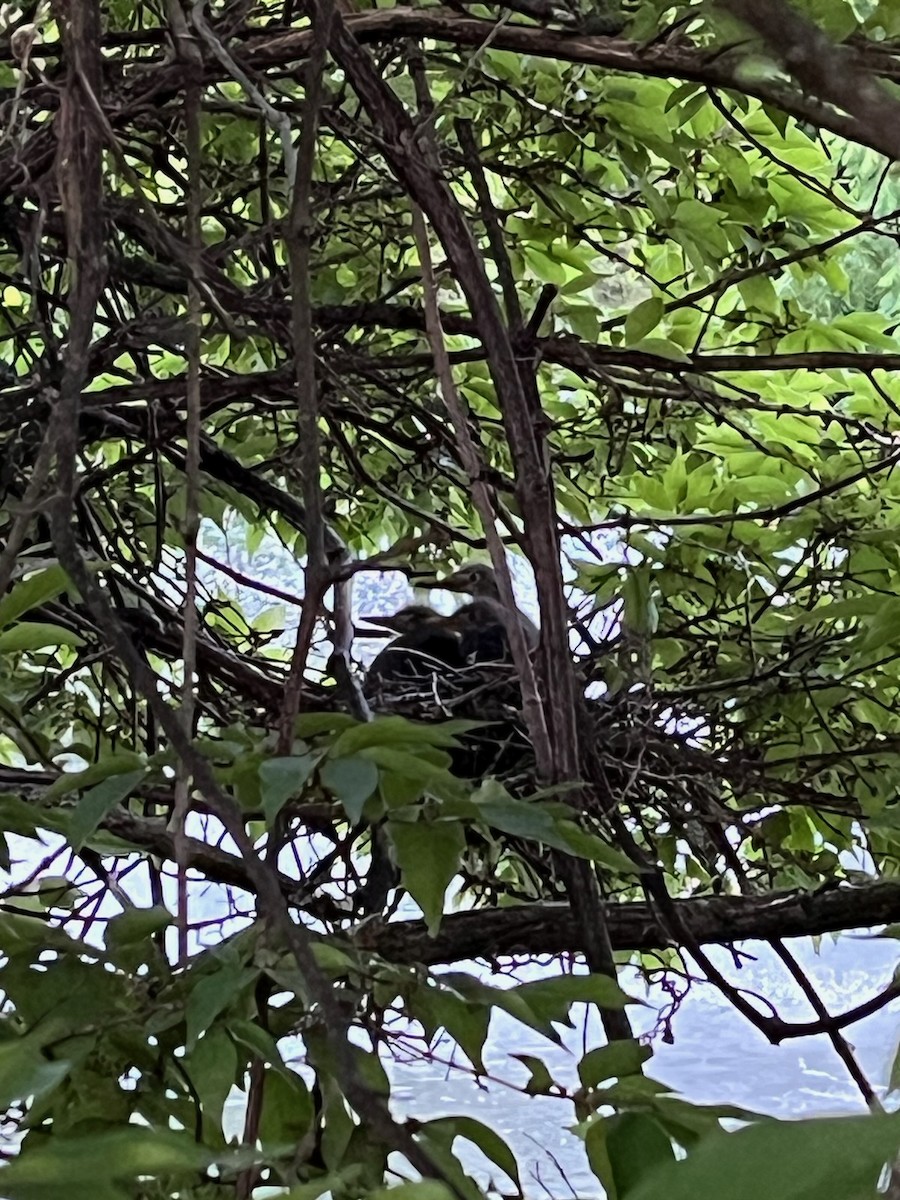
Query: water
(716, 1057)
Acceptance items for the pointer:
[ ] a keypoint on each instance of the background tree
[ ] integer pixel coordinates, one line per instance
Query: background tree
(612, 290)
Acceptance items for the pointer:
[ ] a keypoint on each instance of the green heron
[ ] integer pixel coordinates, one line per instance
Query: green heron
(480, 581)
(424, 647)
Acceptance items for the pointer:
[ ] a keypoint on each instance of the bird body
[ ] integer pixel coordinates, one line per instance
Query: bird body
(480, 581)
(481, 626)
(424, 647)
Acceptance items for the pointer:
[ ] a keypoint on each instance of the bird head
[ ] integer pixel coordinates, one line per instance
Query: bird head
(410, 619)
(476, 579)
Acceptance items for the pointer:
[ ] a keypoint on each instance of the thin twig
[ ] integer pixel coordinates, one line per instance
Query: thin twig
(27, 507)
(191, 505)
(299, 239)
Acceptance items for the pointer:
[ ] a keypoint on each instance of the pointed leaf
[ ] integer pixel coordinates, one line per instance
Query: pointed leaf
(789, 1160)
(428, 857)
(97, 802)
(136, 925)
(211, 995)
(488, 1142)
(36, 635)
(38, 588)
(399, 731)
(111, 764)
(642, 319)
(541, 1082)
(613, 1061)
(352, 780)
(282, 778)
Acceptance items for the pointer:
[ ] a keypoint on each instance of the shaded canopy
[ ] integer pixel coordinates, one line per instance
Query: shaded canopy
(662, 287)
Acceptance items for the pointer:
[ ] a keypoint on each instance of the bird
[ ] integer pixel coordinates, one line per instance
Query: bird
(480, 581)
(482, 631)
(424, 647)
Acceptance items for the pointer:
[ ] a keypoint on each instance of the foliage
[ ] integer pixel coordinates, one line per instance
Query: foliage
(713, 269)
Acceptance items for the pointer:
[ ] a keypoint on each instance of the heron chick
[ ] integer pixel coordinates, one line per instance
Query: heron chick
(424, 647)
(480, 581)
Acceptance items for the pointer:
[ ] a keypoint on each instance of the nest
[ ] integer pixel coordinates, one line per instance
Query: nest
(636, 764)
(487, 693)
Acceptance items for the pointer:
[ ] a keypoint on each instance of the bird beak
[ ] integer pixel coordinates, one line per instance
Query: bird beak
(389, 621)
(450, 583)
(423, 579)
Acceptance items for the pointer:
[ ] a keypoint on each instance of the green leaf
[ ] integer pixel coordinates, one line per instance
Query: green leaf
(463, 1017)
(437, 1144)
(212, 1068)
(597, 1150)
(549, 1005)
(310, 725)
(552, 998)
(282, 778)
(335, 1183)
(883, 628)
(36, 635)
(839, 1157)
(615, 1060)
(759, 292)
(488, 1142)
(398, 731)
(211, 995)
(51, 891)
(852, 607)
(135, 926)
(117, 763)
(540, 1082)
(641, 613)
(436, 779)
(662, 348)
(332, 959)
(97, 802)
(17, 816)
(642, 319)
(353, 780)
(630, 1146)
(270, 619)
(38, 588)
(100, 1165)
(538, 822)
(287, 1113)
(258, 1041)
(593, 847)
(425, 1189)
(26, 1072)
(428, 855)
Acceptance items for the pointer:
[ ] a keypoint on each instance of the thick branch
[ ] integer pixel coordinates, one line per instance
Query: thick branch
(827, 72)
(413, 158)
(532, 929)
(659, 60)
(537, 929)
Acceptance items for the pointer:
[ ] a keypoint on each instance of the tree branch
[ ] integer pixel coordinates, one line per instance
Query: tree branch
(827, 72)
